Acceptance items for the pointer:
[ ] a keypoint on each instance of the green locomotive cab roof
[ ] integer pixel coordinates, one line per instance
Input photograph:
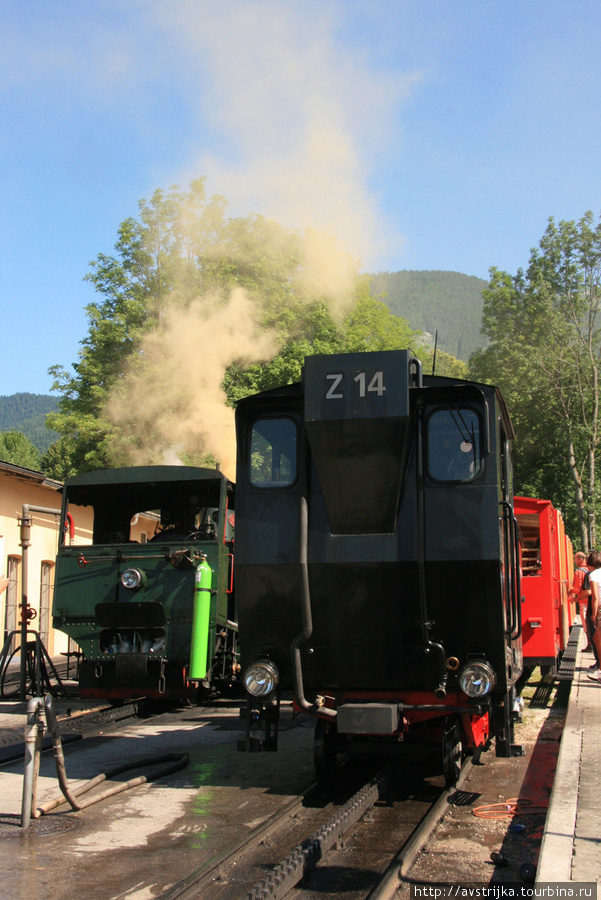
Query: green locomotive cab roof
(145, 503)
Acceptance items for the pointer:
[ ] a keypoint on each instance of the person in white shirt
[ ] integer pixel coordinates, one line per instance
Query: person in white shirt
(594, 577)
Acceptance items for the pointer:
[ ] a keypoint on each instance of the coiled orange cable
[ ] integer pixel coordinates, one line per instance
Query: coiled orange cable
(507, 808)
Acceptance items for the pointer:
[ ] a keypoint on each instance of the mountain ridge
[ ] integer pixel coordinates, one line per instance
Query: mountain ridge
(436, 300)
(27, 413)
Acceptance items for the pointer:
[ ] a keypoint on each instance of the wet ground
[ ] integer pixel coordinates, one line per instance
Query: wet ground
(141, 843)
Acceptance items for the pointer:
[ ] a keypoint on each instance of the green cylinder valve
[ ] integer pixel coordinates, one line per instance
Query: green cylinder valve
(199, 643)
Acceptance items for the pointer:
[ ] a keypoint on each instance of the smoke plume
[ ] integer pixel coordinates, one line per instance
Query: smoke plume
(171, 399)
(297, 120)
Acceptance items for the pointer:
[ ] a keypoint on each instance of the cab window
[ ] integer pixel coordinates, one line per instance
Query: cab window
(273, 446)
(454, 444)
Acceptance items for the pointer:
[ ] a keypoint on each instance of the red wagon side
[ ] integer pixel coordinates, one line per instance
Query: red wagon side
(547, 572)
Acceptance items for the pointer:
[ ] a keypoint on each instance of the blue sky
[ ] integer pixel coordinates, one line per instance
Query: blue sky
(425, 135)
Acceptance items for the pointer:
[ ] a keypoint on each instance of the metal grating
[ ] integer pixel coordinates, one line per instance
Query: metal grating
(568, 659)
(46, 826)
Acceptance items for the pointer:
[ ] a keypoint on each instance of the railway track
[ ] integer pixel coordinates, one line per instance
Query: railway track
(10, 682)
(319, 846)
(73, 724)
(184, 824)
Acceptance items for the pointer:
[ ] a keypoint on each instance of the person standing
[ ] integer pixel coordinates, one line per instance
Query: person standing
(581, 593)
(594, 611)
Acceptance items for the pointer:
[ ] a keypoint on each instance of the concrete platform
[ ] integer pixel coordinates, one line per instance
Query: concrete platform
(571, 846)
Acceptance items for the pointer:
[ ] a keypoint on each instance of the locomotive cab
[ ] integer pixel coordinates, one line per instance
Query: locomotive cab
(129, 595)
(377, 561)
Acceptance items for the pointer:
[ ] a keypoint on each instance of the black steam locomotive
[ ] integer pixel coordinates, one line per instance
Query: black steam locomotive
(377, 563)
(147, 592)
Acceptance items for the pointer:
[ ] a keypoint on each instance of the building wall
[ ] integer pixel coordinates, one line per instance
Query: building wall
(16, 490)
(19, 487)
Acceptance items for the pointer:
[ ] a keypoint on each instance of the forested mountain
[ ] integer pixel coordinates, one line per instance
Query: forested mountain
(27, 413)
(447, 302)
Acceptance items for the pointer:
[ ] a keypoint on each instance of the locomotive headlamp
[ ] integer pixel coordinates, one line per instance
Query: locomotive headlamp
(477, 678)
(261, 678)
(133, 579)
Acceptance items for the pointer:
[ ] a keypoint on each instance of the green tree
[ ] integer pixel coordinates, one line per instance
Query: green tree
(545, 355)
(195, 311)
(311, 330)
(155, 265)
(180, 255)
(368, 326)
(371, 326)
(445, 364)
(17, 449)
(60, 461)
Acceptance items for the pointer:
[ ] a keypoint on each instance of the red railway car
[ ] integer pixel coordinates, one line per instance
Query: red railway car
(547, 572)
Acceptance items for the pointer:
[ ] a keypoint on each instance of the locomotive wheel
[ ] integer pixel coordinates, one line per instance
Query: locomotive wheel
(324, 748)
(452, 751)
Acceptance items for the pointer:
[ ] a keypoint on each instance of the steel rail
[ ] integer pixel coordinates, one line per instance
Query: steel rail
(80, 719)
(305, 856)
(303, 859)
(406, 856)
(190, 886)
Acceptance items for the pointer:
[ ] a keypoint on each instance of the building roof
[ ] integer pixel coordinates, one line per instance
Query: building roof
(7, 468)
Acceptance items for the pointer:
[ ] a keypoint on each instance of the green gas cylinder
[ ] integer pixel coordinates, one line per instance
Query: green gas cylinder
(199, 643)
